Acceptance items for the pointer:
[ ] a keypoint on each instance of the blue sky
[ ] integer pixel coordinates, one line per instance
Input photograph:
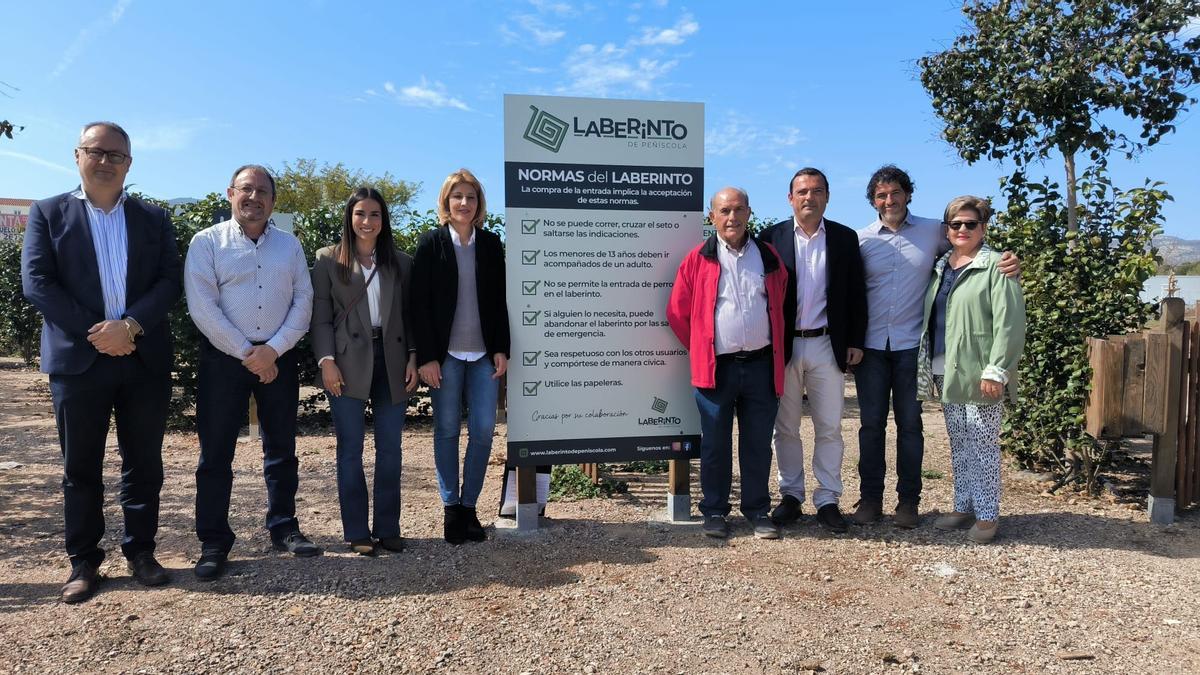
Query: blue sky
(417, 89)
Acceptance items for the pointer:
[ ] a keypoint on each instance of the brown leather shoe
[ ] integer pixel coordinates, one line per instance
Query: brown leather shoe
(84, 580)
(867, 511)
(906, 516)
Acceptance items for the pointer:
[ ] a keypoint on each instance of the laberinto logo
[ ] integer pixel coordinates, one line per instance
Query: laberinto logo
(546, 130)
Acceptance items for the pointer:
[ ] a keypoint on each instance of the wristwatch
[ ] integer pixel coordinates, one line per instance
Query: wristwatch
(132, 327)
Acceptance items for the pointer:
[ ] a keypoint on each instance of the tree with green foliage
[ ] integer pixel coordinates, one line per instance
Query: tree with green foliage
(1030, 79)
(20, 323)
(307, 185)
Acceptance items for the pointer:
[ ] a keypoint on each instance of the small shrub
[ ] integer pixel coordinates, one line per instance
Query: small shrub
(569, 483)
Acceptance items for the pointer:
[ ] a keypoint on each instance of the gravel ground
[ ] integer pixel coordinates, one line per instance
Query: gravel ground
(1073, 585)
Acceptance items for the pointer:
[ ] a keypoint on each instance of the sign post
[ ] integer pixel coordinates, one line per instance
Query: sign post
(604, 198)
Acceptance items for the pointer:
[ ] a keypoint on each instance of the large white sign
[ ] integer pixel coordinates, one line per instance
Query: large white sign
(604, 198)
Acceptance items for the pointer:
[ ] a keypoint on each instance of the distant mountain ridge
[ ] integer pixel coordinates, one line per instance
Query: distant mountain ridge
(1176, 251)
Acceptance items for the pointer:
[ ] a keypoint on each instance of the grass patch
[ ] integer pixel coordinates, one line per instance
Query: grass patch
(930, 473)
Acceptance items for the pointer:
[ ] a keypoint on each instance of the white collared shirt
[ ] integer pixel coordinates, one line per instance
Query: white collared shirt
(811, 278)
(240, 291)
(372, 293)
(110, 237)
(741, 323)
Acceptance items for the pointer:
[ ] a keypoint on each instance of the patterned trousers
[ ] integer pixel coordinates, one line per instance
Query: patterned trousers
(974, 432)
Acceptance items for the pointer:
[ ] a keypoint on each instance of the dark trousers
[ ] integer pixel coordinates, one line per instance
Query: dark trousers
(222, 400)
(887, 375)
(83, 406)
(747, 389)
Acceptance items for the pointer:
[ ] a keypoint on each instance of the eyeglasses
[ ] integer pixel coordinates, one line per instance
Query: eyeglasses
(96, 154)
(969, 224)
(250, 190)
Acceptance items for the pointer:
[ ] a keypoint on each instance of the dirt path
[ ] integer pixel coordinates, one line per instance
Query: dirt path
(605, 586)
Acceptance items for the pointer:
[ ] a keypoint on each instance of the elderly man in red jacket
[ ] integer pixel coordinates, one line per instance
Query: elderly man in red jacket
(726, 307)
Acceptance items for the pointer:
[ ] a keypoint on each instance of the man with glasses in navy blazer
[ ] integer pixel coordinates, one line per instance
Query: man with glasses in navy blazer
(103, 269)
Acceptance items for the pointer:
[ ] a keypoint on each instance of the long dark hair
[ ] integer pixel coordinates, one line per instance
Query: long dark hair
(344, 254)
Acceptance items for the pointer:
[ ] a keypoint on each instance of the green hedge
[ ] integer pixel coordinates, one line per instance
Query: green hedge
(20, 323)
(1077, 285)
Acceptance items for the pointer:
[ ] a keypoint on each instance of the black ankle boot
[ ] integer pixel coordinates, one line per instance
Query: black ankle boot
(472, 528)
(454, 526)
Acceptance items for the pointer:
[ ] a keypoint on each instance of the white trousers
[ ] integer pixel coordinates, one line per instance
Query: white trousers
(813, 369)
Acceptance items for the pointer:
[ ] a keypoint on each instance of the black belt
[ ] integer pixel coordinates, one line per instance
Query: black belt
(755, 355)
(811, 332)
(258, 343)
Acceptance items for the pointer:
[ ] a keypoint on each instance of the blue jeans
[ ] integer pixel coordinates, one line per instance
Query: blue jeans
(746, 388)
(473, 382)
(350, 425)
(883, 375)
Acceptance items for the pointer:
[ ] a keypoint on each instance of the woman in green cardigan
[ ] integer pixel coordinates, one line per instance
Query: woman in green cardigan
(974, 334)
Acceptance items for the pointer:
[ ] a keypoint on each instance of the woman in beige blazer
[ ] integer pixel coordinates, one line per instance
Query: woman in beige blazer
(362, 338)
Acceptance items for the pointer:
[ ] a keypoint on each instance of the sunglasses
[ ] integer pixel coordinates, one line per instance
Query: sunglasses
(969, 224)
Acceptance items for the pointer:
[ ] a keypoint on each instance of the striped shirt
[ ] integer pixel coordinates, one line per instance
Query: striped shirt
(240, 291)
(111, 240)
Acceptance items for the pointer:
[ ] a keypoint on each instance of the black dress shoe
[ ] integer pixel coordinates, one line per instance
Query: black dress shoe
(297, 544)
(453, 528)
(831, 518)
(787, 512)
(716, 527)
(394, 544)
(146, 570)
(472, 528)
(82, 583)
(210, 566)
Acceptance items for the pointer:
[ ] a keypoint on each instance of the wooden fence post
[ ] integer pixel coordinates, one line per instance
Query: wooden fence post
(679, 490)
(1161, 503)
(527, 504)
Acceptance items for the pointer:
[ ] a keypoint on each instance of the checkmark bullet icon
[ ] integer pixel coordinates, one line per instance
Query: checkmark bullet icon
(529, 226)
(530, 388)
(529, 287)
(530, 318)
(529, 358)
(529, 257)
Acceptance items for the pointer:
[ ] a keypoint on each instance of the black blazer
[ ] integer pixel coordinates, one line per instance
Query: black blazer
(435, 293)
(61, 278)
(845, 287)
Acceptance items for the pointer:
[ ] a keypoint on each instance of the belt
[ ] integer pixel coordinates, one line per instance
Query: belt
(258, 343)
(755, 355)
(811, 332)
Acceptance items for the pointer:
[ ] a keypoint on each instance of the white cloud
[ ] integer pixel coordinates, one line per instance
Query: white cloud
(599, 71)
(89, 33)
(739, 136)
(171, 136)
(530, 28)
(552, 7)
(36, 160)
(674, 36)
(424, 95)
(540, 32)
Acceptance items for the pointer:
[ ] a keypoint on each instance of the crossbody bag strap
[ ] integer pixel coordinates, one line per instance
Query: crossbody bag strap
(359, 296)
